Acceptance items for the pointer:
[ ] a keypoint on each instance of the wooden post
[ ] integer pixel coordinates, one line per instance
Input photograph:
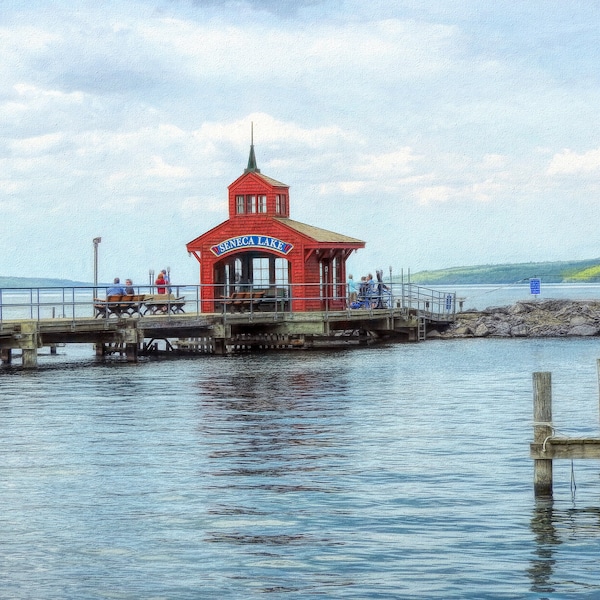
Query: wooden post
(130, 339)
(131, 352)
(542, 429)
(29, 344)
(598, 369)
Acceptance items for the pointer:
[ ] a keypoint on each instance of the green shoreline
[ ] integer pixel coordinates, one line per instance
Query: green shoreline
(575, 271)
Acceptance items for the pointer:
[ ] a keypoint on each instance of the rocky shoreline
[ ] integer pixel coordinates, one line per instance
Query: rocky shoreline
(547, 318)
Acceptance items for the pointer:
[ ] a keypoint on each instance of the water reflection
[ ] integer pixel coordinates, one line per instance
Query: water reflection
(553, 527)
(276, 447)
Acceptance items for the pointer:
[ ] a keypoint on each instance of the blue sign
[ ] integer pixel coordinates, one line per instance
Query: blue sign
(535, 286)
(448, 302)
(265, 242)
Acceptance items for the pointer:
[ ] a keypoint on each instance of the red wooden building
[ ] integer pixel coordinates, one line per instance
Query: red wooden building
(259, 247)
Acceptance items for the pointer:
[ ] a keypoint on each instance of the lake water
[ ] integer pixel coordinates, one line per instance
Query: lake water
(400, 471)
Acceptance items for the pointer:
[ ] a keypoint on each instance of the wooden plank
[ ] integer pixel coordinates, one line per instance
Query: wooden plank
(566, 448)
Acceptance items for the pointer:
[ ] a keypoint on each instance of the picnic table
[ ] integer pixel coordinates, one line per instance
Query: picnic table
(138, 304)
(158, 304)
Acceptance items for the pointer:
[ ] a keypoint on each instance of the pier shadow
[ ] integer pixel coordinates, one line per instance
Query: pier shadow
(558, 533)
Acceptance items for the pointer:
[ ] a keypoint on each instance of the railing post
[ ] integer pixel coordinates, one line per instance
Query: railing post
(542, 430)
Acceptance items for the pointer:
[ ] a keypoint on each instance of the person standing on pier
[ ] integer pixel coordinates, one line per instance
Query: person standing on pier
(352, 290)
(167, 279)
(161, 284)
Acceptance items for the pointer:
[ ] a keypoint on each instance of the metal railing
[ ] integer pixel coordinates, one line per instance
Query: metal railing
(78, 302)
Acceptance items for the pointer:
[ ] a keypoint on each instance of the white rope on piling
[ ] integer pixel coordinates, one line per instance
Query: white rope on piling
(545, 424)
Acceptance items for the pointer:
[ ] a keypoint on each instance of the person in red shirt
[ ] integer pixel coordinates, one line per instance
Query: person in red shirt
(161, 284)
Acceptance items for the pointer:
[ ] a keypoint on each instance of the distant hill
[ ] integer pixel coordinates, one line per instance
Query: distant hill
(575, 271)
(38, 282)
(580, 271)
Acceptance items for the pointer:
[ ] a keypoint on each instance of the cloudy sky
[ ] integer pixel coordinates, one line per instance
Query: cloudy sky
(446, 133)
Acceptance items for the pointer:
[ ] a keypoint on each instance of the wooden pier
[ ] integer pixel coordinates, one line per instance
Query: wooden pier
(213, 333)
(547, 446)
(176, 325)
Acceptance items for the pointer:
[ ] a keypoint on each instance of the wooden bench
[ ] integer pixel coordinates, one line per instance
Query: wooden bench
(120, 306)
(157, 304)
(244, 301)
(132, 304)
(274, 300)
(108, 307)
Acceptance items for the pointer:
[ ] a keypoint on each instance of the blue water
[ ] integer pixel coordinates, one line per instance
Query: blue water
(394, 472)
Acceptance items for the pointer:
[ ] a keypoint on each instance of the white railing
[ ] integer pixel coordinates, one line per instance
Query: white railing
(79, 302)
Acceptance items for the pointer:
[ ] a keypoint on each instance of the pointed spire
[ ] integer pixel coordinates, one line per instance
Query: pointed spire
(252, 168)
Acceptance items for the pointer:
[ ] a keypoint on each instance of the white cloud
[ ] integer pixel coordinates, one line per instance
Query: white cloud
(390, 164)
(161, 169)
(434, 194)
(568, 162)
(37, 144)
(383, 117)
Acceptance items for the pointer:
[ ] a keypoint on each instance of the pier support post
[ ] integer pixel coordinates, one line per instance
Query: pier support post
(542, 430)
(598, 369)
(29, 344)
(130, 338)
(6, 356)
(220, 334)
(131, 352)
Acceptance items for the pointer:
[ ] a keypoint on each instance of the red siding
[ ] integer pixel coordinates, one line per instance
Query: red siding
(304, 271)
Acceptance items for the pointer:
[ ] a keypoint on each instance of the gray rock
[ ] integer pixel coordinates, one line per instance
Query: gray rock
(462, 331)
(519, 331)
(583, 330)
(502, 329)
(578, 320)
(482, 330)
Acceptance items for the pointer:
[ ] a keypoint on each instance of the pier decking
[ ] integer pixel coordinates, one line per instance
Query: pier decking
(406, 317)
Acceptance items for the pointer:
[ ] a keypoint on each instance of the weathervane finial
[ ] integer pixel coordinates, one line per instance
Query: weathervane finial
(252, 168)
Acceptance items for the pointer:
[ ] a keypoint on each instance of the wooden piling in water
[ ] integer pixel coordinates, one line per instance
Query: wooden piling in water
(546, 445)
(29, 344)
(542, 430)
(6, 356)
(598, 370)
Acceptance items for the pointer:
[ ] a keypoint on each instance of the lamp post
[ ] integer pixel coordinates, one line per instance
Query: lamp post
(96, 241)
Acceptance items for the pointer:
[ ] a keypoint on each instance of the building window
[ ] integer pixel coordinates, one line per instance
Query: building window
(281, 204)
(250, 204)
(281, 271)
(335, 272)
(262, 204)
(239, 205)
(260, 272)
